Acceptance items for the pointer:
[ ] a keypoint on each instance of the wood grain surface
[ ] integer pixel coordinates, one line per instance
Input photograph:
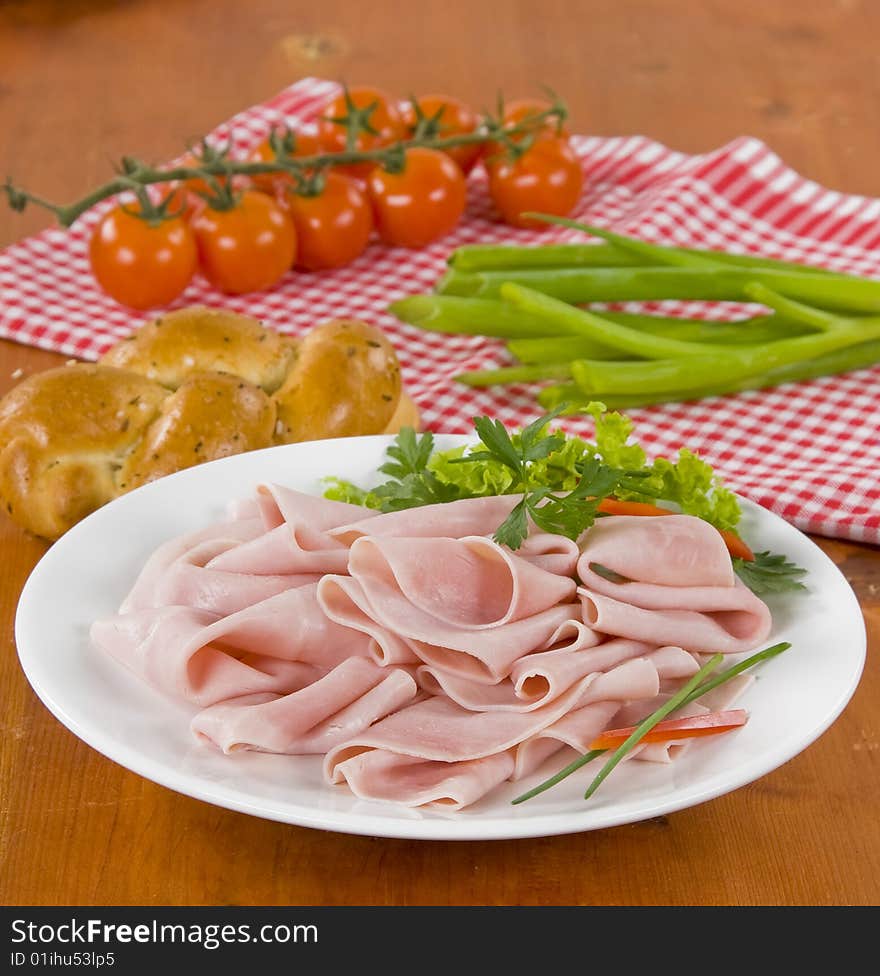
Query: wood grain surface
(82, 83)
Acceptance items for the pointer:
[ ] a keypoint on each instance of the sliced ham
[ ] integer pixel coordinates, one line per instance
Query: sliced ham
(192, 581)
(296, 537)
(673, 583)
(434, 737)
(426, 662)
(470, 582)
(667, 551)
(539, 678)
(451, 520)
(727, 631)
(176, 550)
(342, 599)
(340, 704)
(197, 656)
(168, 649)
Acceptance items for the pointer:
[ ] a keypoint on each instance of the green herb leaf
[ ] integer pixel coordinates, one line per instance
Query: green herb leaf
(769, 573)
(513, 530)
(410, 452)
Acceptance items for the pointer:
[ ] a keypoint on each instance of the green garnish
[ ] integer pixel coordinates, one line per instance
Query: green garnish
(694, 689)
(769, 573)
(562, 479)
(567, 514)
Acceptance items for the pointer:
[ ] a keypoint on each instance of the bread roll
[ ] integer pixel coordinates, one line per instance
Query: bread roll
(345, 382)
(191, 386)
(65, 432)
(180, 343)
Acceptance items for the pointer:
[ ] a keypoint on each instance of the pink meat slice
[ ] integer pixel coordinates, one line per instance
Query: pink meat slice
(296, 537)
(727, 630)
(554, 553)
(470, 582)
(658, 551)
(452, 520)
(195, 655)
(175, 550)
(678, 585)
(167, 649)
(538, 678)
(439, 735)
(340, 704)
(191, 582)
(488, 655)
(414, 782)
(343, 601)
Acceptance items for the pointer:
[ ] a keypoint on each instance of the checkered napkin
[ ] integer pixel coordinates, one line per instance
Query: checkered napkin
(809, 452)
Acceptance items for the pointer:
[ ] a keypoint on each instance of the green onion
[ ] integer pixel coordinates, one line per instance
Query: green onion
(584, 285)
(691, 691)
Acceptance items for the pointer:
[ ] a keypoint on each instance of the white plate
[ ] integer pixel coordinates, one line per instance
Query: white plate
(89, 570)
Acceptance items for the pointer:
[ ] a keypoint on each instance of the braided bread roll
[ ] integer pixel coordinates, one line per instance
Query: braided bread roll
(191, 386)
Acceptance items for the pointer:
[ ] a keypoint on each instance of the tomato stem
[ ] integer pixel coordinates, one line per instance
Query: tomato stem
(216, 168)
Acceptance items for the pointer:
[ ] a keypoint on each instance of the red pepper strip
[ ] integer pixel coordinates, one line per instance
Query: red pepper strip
(613, 506)
(710, 723)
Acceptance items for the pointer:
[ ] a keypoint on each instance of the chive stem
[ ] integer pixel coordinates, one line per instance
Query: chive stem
(694, 689)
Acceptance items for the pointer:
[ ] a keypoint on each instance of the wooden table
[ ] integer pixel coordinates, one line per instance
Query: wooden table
(83, 82)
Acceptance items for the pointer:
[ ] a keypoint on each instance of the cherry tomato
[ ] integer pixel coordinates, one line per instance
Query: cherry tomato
(446, 116)
(191, 193)
(378, 110)
(305, 144)
(522, 109)
(248, 247)
(333, 227)
(519, 111)
(546, 178)
(142, 263)
(421, 203)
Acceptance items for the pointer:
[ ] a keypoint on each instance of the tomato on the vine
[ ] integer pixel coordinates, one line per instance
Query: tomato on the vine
(421, 202)
(246, 247)
(546, 178)
(333, 226)
(305, 143)
(376, 120)
(142, 262)
(440, 117)
(523, 109)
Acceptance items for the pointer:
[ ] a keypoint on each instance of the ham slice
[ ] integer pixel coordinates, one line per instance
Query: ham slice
(163, 560)
(676, 585)
(451, 520)
(340, 704)
(539, 678)
(478, 609)
(432, 739)
(194, 655)
(296, 537)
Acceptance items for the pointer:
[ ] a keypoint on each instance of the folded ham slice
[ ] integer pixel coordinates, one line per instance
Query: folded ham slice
(451, 520)
(297, 536)
(200, 657)
(340, 704)
(166, 559)
(426, 751)
(671, 582)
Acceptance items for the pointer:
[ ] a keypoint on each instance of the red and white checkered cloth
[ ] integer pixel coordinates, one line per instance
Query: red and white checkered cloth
(808, 451)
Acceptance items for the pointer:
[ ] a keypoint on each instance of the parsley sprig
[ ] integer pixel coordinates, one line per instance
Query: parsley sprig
(769, 573)
(411, 482)
(568, 514)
